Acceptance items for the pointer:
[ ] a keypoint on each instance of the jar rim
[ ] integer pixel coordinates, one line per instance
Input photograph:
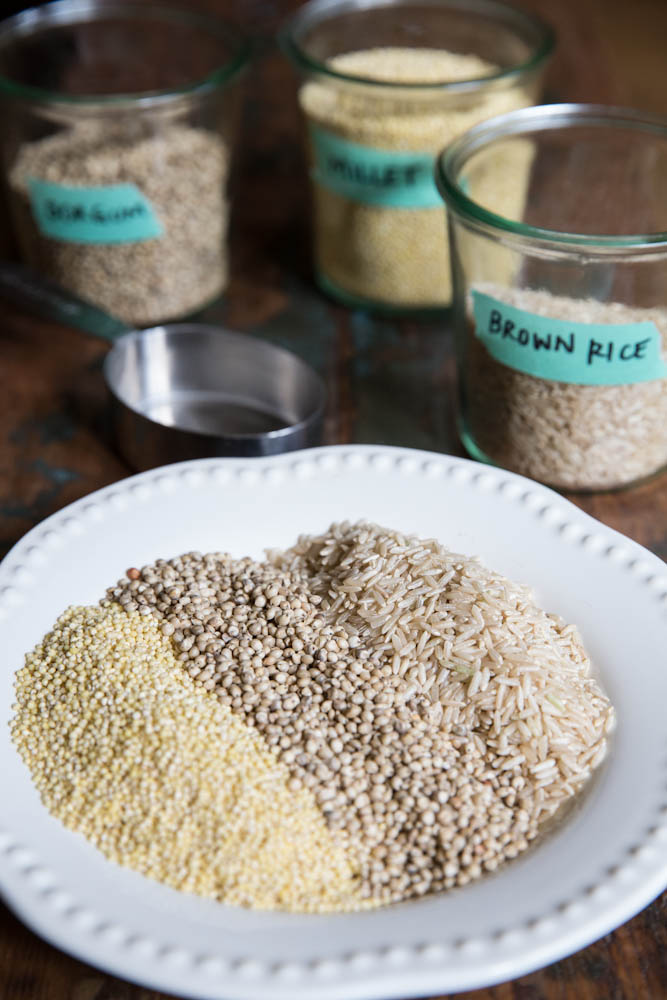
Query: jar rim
(61, 13)
(541, 118)
(318, 11)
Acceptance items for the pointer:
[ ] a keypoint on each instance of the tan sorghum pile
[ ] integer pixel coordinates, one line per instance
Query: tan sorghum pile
(326, 656)
(391, 255)
(587, 437)
(182, 171)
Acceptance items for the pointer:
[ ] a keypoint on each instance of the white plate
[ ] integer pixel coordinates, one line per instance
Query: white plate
(605, 863)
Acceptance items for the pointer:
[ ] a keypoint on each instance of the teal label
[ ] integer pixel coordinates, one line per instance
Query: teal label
(564, 351)
(374, 176)
(115, 213)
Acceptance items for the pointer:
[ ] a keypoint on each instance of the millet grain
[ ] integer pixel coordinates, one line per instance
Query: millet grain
(390, 255)
(127, 750)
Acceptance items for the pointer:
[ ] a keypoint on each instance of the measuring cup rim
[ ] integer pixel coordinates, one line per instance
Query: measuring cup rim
(122, 344)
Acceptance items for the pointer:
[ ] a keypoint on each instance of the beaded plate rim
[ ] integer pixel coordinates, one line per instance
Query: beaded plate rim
(449, 961)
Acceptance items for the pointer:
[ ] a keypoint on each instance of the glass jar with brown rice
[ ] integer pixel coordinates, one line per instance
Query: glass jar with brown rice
(561, 309)
(385, 84)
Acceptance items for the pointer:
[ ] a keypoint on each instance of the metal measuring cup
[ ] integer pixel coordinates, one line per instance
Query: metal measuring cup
(188, 390)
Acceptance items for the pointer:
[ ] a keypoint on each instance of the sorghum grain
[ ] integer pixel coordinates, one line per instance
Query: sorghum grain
(420, 806)
(181, 170)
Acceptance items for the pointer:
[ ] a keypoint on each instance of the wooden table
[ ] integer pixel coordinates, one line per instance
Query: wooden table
(389, 383)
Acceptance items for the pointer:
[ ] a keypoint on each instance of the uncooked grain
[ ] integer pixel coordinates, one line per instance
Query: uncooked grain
(181, 170)
(386, 254)
(570, 436)
(361, 719)
(359, 738)
(437, 715)
(127, 750)
(501, 672)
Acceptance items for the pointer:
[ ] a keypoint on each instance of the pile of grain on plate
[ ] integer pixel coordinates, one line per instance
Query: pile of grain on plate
(181, 171)
(392, 255)
(571, 436)
(361, 719)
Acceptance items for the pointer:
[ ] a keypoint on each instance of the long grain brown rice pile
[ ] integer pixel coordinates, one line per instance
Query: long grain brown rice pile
(499, 670)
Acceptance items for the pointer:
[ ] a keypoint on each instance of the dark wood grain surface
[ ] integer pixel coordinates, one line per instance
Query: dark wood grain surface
(388, 383)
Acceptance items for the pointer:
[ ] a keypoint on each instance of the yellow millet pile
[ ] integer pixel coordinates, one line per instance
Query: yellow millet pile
(125, 748)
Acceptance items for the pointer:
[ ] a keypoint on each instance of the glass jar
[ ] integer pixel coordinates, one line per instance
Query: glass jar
(385, 84)
(561, 309)
(118, 123)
